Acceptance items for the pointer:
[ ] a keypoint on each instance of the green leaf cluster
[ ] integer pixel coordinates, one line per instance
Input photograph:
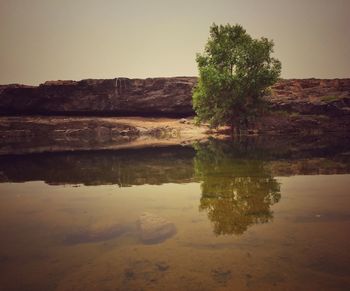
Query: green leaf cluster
(235, 72)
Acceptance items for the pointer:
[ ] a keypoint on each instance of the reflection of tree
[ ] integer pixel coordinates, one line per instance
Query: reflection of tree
(236, 192)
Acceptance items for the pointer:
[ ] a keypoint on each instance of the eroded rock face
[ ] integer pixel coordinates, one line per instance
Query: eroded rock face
(155, 229)
(312, 96)
(161, 96)
(120, 96)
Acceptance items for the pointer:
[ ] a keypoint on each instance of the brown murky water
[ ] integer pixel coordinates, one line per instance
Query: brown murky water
(245, 219)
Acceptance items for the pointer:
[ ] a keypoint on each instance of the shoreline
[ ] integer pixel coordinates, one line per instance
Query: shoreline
(38, 134)
(31, 134)
(133, 113)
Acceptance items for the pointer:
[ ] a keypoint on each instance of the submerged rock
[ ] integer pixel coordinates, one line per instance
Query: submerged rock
(155, 229)
(221, 275)
(95, 234)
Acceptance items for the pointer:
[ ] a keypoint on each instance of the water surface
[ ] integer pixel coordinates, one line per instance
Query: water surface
(249, 215)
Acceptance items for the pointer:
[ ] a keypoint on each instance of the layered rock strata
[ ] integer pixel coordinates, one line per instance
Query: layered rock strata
(162, 96)
(120, 96)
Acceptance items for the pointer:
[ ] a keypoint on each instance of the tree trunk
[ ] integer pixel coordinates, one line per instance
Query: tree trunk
(232, 126)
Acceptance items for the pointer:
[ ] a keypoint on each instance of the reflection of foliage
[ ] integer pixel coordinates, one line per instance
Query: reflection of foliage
(236, 192)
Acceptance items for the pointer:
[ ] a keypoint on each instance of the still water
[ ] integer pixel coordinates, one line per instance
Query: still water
(240, 215)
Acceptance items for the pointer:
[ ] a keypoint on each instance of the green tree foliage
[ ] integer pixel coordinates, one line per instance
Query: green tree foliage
(237, 189)
(235, 72)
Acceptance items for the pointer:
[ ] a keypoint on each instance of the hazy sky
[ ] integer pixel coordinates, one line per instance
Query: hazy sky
(75, 39)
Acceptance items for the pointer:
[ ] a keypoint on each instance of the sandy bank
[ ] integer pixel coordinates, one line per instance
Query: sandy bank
(27, 134)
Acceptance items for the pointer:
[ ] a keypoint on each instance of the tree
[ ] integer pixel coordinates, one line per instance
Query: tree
(235, 72)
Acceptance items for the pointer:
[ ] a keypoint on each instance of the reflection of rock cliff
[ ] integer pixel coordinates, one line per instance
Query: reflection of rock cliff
(125, 167)
(280, 156)
(236, 193)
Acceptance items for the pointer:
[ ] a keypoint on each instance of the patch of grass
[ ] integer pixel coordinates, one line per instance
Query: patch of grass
(281, 113)
(322, 117)
(294, 113)
(330, 98)
(286, 113)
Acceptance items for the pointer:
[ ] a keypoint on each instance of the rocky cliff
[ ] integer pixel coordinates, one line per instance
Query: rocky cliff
(308, 106)
(120, 96)
(162, 97)
(312, 96)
